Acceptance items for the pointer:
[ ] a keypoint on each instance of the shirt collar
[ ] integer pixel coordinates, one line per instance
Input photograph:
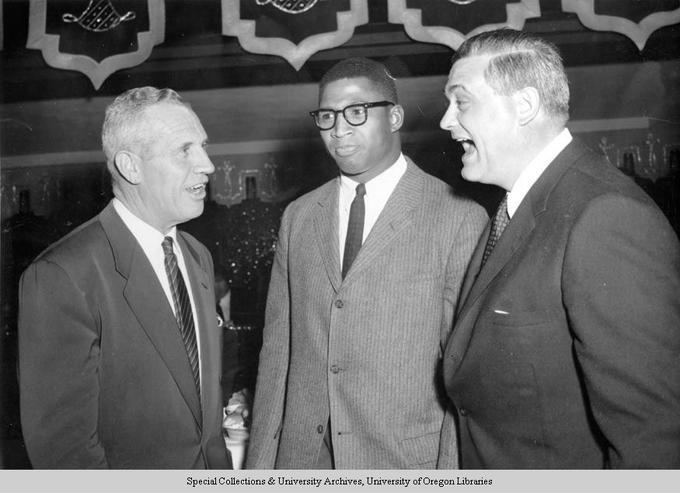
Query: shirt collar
(148, 237)
(382, 184)
(535, 169)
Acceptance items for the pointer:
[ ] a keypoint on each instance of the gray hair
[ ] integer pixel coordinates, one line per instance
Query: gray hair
(120, 130)
(522, 60)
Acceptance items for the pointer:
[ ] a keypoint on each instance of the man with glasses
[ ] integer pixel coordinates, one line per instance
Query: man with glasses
(363, 289)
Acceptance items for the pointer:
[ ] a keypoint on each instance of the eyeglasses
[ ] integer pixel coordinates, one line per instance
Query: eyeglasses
(354, 114)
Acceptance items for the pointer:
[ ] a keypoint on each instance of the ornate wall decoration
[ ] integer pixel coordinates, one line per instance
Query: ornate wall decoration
(222, 185)
(450, 22)
(633, 18)
(232, 184)
(294, 30)
(99, 39)
(608, 150)
(629, 159)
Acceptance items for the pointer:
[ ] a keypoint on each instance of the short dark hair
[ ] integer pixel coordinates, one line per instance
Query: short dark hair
(351, 68)
(519, 60)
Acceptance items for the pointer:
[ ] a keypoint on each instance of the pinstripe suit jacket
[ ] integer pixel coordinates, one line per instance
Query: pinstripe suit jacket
(365, 350)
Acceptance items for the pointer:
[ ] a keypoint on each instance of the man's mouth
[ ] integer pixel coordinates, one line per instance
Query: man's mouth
(345, 150)
(198, 189)
(468, 144)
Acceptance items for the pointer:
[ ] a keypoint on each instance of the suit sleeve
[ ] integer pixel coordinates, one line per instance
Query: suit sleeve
(270, 388)
(466, 238)
(58, 371)
(621, 288)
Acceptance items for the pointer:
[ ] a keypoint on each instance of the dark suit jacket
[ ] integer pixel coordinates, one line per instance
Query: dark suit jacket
(104, 376)
(566, 350)
(364, 350)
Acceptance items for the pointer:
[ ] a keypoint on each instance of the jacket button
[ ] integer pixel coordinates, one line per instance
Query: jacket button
(339, 304)
(319, 428)
(335, 369)
(463, 411)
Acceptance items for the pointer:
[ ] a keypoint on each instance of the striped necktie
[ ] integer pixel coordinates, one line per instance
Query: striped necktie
(500, 221)
(355, 229)
(183, 313)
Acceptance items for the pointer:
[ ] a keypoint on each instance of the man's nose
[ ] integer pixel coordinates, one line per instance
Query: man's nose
(204, 164)
(341, 126)
(450, 118)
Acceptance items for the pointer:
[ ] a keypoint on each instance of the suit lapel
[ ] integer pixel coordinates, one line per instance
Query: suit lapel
(396, 215)
(326, 232)
(515, 235)
(148, 302)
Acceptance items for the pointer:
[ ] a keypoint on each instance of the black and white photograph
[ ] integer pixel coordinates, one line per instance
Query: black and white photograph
(340, 244)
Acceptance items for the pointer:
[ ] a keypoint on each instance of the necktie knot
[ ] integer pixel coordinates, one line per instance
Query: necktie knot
(167, 246)
(361, 190)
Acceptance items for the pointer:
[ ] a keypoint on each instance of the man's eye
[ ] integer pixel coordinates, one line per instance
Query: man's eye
(325, 116)
(357, 111)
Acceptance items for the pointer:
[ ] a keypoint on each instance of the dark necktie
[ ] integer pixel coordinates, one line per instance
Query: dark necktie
(183, 313)
(500, 221)
(355, 229)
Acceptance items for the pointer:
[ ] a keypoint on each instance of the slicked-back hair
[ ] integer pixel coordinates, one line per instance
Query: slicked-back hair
(120, 130)
(522, 60)
(351, 68)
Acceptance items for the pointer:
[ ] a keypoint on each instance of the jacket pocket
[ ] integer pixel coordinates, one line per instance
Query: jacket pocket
(510, 318)
(422, 451)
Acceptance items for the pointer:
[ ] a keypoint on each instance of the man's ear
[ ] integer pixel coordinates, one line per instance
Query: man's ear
(528, 104)
(127, 164)
(396, 117)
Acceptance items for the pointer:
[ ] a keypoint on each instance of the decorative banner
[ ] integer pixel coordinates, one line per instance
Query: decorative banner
(449, 22)
(97, 38)
(292, 29)
(632, 18)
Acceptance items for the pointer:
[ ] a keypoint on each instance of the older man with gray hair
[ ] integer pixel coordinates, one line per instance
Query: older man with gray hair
(119, 349)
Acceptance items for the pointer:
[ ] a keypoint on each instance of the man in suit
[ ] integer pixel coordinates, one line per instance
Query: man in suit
(566, 348)
(362, 294)
(119, 350)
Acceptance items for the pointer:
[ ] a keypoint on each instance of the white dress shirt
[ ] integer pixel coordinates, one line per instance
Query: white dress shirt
(535, 169)
(378, 191)
(150, 239)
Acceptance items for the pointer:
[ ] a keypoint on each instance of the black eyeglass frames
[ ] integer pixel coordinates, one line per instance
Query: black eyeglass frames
(354, 114)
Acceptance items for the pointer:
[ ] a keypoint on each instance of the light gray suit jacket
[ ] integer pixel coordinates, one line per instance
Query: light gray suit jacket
(365, 350)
